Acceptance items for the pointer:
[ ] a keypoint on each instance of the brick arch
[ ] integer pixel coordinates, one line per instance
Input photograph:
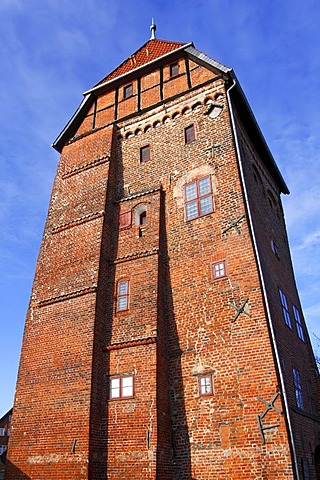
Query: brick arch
(196, 105)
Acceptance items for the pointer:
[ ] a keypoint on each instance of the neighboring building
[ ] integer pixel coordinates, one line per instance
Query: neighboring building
(5, 424)
(165, 337)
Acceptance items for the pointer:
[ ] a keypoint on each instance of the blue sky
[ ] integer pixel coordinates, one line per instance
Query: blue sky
(52, 50)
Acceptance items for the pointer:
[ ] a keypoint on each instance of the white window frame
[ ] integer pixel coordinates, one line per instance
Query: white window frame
(205, 385)
(123, 296)
(218, 269)
(125, 388)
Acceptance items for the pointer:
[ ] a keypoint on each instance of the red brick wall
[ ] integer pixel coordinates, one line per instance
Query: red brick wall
(278, 273)
(180, 323)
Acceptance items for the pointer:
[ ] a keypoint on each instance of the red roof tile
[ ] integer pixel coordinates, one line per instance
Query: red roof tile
(149, 51)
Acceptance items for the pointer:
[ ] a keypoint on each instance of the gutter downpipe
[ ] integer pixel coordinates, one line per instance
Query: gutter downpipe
(285, 400)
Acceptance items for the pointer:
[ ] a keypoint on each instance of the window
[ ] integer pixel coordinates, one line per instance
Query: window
(123, 295)
(3, 448)
(205, 385)
(128, 91)
(121, 387)
(297, 388)
(285, 310)
(282, 363)
(297, 318)
(125, 220)
(143, 218)
(140, 215)
(275, 249)
(198, 198)
(189, 134)
(145, 154)
(311, 401)
(1, 432)
(218, 270)
(305, 469)
(174, 69)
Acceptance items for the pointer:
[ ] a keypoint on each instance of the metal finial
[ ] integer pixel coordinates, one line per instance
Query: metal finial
(153, 29)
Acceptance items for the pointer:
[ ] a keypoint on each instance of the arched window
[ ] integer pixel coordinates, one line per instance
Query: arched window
(140, 215)
(143, 218)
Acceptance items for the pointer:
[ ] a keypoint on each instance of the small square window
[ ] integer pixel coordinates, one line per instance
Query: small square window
(125, 220)
(121, 387)
(218, 270)
(174, 69)
(205, 385)
(145, 154)
(123, 295)
(189, 134)
(128, 91)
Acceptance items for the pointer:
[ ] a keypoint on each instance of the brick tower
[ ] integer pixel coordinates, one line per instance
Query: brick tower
(164, 337)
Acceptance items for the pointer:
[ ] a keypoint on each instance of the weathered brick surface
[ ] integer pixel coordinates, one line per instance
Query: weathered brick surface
(180, 323)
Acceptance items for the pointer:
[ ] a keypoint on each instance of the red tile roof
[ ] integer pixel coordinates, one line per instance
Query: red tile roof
(149, 51)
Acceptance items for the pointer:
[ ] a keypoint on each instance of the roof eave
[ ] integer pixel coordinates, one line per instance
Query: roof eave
(73, 123)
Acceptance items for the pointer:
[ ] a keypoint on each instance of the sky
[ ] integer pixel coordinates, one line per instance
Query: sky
(53, 50)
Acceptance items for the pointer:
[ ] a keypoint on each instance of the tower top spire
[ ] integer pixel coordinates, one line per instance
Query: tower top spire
(153, 29)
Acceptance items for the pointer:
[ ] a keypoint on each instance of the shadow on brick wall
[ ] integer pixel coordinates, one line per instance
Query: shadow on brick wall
(14, 472)
(98, 448)
(181, 455)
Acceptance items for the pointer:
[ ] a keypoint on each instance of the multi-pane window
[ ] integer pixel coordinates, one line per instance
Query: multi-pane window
(285, 310)
(218, 270)
(189, 134)
(121, 387)
(145, 154)
(297, 388)
(174, 69)
(128, 91)
(297, 318)
(198, 198)
(125, 220)
(123, 295)
(311, 400)
(205, 385)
